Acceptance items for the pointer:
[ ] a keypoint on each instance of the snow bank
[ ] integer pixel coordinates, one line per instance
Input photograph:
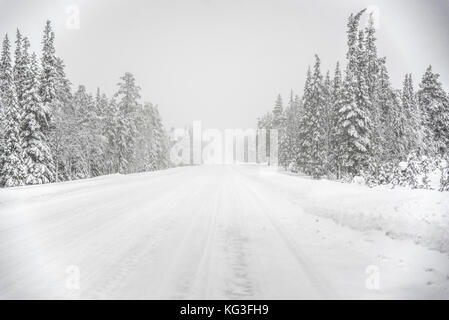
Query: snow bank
(419, 215)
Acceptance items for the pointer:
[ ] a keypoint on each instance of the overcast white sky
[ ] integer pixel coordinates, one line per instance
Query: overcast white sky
(224, 61)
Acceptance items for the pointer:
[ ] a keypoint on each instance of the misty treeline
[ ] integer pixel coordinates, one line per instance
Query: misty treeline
(356, 124)
(49, 133)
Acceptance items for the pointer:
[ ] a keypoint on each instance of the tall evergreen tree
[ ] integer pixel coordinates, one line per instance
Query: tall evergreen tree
(12, 168)
(336, 104)
(391, 123)
(19, 69)
(61, 123)
(434, 104)
(327, 122)
(412, 118)
(128, 95)
(288, 150)
(371, 58)
(278, 112)
(312, 132)
(354, 125)
(38, 158)
(159, 148)
(49, 75)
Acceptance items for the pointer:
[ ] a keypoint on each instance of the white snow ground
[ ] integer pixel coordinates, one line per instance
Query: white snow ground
(220, 232)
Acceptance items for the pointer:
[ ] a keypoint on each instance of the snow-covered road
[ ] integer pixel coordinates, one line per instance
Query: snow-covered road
(215, 232)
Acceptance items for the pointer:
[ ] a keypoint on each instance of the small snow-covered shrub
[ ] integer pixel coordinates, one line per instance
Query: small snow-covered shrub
(293, 167)
(410, 171)
(444, 179)
(426, 168)
(359, 180)
(379, 174)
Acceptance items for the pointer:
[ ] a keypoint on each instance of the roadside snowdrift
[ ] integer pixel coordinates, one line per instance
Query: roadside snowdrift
(420, 215)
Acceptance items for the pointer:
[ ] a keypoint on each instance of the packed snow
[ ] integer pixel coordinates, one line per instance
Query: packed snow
(222, 232)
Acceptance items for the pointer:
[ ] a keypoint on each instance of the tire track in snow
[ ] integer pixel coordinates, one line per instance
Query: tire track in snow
(131, 258)
(262, 204)
(235, 237)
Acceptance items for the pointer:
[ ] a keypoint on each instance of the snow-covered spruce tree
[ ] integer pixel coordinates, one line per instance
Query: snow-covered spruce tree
(371, 59)
(159, 147)
(143, 160)
(278, 113)
(2, 111)
(20, 64)
(434, 104)
(12, 168)
(372, 75)
(413, 133)
(110, 133)
(391, 123)
(301, 156)
(101, 104)
(363, 99)
(352, 130)
(49, 75)
(354, 123)
(59, 137)
(87, 161)
(311, 127)
(266, 122)
(278, 123)
(37, 154)
(289, 140)
(335, 106)
(127, 97)
(328, 123)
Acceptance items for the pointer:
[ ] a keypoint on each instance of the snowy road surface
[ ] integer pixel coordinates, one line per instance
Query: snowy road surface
(215, 232)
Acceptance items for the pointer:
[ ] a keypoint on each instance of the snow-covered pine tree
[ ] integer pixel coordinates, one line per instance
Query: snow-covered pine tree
(354, 123)
(328, 117)
(62, 128)
(278, 113)
(392, 129)
(371, 58)
(2, 110)
(434, 104)
(110, 132)
(301, 156)
(353, 38)
(352, 130)
(265, 122)
(37, 154)
(412, 116)
(372, 74)
(88, 161)
(363, 99)
(336, 104)
(312, 134)
(101, 104)
(143, 140)
(12, 168)
(20, 66)
(127, 96)
(159, 147)
(288, 144)
(278, 123)
(49, 76)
